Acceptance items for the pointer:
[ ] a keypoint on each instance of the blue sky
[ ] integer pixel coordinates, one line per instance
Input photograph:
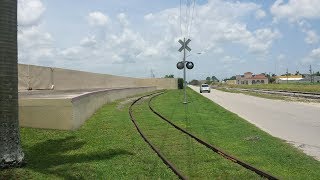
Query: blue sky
(135, 37)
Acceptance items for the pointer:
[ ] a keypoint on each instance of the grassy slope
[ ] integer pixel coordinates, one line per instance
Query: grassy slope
(287, 87)
(192, 159)
(228, 131)
(106, 146)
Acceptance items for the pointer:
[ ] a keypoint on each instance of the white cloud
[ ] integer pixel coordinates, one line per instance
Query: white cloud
(88, 41)
(296, 9)
(97, 19)
(149, 16)
(281, 57)
(30, 12)
(315, 53)
(215, 24)
(123, 19)
(263, 40)
(312, 58)
(229, 60)
(260, 14)
(312, 37)
(35, 45)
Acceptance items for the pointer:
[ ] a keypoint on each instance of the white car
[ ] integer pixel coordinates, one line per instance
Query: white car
(204, 87)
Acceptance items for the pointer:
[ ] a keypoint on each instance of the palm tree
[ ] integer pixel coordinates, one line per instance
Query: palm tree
(11, 154)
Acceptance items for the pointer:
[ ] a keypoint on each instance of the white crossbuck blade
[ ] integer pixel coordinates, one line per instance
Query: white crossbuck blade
(184, 45)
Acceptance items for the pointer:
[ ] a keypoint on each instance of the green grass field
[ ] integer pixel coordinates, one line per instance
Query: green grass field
(108, 146)
(288, 87)
(228, 131)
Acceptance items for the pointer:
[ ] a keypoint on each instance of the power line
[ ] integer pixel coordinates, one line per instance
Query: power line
(189, 32)
(188, 16)
(180, 19)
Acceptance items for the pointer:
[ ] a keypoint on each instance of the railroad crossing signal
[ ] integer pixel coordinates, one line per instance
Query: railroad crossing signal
(184, 64)
(180, 65)
(184, 45)
(190, 65)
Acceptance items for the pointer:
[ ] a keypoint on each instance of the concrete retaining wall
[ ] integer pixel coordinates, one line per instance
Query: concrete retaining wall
(38, 77)
(69, 113)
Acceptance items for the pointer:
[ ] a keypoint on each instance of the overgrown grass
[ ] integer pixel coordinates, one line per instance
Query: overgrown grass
(107, 146)
(300, 87)
(236, 136)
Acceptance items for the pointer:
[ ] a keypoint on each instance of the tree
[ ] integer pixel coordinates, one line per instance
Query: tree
(289, 74)
(11, 154)
(231, 78)
(208, 79)
(194, 82)
(272, 80)
(169, 76)
(214, 79)
(180, 83)
(317, 73)
(297, 73)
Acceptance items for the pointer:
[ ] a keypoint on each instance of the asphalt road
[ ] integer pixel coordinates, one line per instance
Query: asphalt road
(298, 123)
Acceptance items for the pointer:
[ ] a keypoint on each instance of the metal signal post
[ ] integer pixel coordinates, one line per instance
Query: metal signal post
(184, 44)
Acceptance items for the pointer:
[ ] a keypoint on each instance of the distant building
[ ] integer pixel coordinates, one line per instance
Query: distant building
(307, 79)
(231, 81)
(249, 78)
(289, 78)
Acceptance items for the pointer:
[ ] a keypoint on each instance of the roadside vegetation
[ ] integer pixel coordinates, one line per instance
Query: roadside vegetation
(236, 136)
(300, 87)
(108, 146)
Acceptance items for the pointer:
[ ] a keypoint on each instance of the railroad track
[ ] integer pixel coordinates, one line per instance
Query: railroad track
(207, 145)
(308, 95)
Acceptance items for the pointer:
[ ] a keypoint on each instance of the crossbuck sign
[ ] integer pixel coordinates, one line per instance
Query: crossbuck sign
(184, 45)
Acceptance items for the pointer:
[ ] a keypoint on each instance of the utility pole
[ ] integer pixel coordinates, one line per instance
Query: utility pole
(287, 76)
(152, 74)
(311, 78)
(184, 73)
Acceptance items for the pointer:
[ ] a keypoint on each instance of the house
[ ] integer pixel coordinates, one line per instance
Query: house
(249, 78)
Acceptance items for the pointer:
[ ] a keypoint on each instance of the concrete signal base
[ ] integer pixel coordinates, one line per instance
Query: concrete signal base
(67, 110)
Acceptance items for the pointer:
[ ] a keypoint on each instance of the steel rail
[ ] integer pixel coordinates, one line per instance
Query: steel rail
(307, 95)
(213, 148)
(156, 150)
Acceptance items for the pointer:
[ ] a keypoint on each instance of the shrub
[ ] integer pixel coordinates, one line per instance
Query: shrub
(180, 83)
